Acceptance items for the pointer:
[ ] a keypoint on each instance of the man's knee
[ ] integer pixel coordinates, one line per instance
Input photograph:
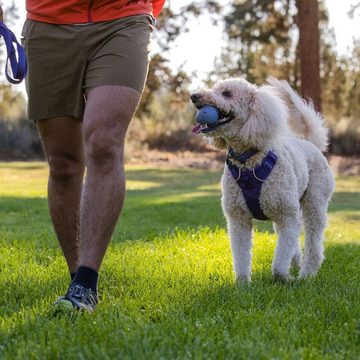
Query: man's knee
(64, 167)
(104, 147)
(108, 112)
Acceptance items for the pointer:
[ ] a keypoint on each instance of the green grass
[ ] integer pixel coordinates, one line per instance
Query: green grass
(167, 289)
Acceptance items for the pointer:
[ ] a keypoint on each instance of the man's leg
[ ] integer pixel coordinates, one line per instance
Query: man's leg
(108, 112)
(62, 141)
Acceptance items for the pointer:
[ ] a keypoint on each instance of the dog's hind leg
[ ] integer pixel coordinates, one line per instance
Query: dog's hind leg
(288, 246)
(314, 209)
(315, 222)
(240, 232)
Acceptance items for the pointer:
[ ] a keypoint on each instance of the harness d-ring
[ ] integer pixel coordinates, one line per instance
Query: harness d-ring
(238, 178)
(253, 170)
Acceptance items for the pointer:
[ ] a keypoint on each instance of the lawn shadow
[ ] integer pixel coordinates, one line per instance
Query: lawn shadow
(23, 166)
(345, 201)
(24, 218)
(17, 204)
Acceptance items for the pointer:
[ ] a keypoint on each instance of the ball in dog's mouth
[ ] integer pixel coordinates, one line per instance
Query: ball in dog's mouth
(210, 118)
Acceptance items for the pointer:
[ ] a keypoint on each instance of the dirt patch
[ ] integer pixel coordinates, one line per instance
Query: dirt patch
(207, 159)
(214, 160)
(345, 165)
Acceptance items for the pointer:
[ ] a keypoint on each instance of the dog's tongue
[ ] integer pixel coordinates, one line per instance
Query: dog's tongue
(196, 129)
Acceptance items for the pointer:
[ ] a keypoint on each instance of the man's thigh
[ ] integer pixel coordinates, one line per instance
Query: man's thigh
(108, 112)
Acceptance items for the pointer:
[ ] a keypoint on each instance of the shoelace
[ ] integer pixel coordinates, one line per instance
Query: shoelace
(83, 294)
(15, 56)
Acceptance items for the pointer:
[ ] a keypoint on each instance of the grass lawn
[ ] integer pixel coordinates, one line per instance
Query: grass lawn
(166, 285)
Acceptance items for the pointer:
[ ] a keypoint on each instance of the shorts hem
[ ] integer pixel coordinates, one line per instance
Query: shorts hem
(47, 116)
(92, 87)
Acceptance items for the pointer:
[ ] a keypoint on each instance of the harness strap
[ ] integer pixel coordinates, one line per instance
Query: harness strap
(15, 57)
(241, 158)
(250, 182)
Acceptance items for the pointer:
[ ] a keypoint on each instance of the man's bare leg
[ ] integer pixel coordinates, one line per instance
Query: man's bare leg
(108, 112)
(62, 141)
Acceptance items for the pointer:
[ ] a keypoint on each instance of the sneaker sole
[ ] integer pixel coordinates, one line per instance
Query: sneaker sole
(64, 307)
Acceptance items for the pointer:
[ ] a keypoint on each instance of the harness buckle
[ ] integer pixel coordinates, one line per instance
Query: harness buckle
(231, 154)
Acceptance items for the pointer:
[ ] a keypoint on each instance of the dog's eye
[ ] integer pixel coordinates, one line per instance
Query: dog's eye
(226, 93)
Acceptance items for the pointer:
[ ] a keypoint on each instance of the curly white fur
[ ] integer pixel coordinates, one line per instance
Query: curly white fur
(274, 117)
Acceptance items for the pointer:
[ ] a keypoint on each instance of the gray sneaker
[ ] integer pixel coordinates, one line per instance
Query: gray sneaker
(77, 298)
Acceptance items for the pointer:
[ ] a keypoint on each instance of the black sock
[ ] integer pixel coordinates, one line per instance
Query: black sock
(72, 275)
(86, 277)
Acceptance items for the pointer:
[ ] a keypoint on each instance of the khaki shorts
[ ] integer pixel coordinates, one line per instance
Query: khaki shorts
(66, 61)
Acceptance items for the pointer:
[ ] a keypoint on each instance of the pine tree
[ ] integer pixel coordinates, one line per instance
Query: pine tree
(259, 40)
(308, 23)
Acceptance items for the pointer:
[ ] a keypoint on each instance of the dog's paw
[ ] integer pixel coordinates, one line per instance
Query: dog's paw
(296, 260)
(309, 269)
(305, 273)
(242, 280)
(284, 278)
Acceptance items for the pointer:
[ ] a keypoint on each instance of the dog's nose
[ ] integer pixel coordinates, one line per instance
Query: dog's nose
(195, 97)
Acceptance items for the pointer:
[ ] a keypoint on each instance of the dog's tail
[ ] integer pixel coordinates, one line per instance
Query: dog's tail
(304, 120)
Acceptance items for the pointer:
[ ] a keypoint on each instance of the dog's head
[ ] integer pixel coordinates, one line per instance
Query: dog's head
(248, 115)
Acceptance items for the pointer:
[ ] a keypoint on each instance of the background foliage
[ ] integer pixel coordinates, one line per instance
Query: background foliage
(261, 40)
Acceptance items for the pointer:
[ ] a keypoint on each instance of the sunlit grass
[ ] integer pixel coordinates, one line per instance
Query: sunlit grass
(166, 285)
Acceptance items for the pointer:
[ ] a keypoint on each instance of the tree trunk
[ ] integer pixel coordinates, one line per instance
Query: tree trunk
(308, 23)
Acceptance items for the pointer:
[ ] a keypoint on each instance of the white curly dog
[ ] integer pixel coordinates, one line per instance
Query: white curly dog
(275, 170)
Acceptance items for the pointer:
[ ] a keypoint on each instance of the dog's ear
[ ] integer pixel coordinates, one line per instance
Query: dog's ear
(267, 117)
(217, 142)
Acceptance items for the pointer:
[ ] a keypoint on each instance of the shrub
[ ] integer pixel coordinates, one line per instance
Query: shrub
(19, 140)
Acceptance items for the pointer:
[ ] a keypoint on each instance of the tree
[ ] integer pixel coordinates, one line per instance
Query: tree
(273, 37)
(308, 23)
(260, 40)
(161, 77)
(354, 76)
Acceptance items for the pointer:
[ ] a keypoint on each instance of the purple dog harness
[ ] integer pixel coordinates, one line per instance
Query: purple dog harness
(250, 181)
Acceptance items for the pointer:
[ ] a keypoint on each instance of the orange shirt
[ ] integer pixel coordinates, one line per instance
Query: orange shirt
(85, 11)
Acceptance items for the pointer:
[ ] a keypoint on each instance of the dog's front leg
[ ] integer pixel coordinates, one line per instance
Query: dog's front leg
(240, 232)
(287, 247)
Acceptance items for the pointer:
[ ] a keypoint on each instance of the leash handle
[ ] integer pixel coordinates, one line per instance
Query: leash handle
(16, 57)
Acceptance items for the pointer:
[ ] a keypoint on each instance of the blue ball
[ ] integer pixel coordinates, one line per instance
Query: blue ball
(207, 115)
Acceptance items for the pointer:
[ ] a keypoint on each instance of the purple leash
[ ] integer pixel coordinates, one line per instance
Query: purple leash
(15, 56)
